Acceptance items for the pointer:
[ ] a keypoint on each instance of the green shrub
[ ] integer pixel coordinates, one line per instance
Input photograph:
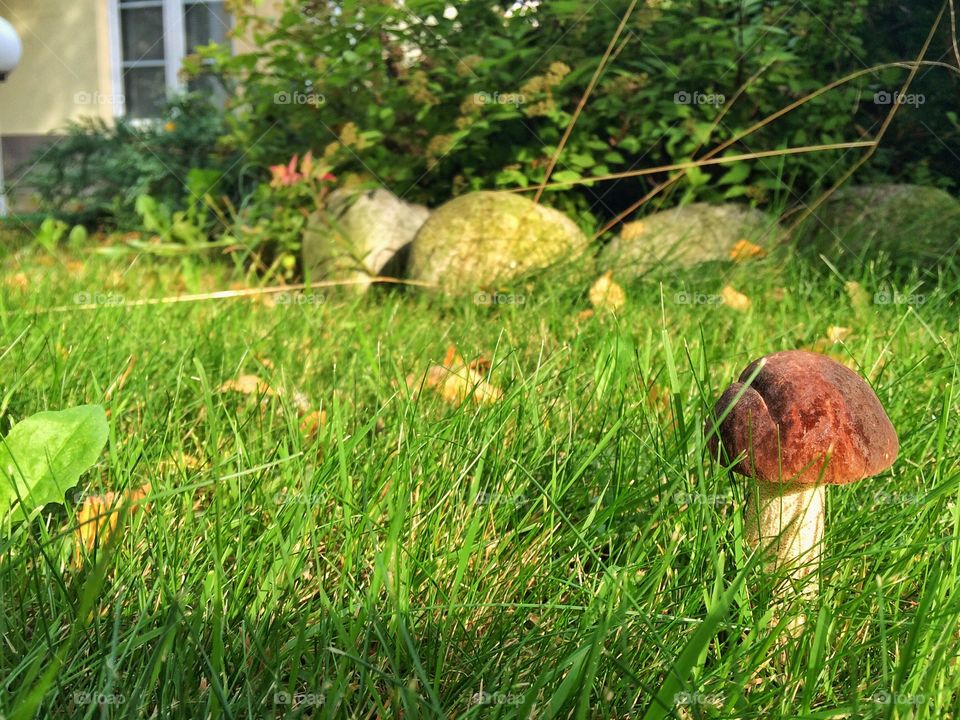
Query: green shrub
(433, 106)
(271, 223)
(95, 174)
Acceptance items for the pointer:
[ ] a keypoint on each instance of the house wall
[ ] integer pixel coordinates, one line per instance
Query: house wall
(65, 70)
(66, 73)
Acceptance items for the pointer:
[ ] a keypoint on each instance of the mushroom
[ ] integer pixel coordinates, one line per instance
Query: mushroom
(796, 422)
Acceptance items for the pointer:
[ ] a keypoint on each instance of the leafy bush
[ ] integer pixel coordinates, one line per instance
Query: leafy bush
(916, 148)
(271, 223)
(431, 104)
(95, 174)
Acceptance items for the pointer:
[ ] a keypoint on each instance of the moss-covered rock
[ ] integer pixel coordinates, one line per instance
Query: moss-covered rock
(483, 238)
(687, 236)
(911, 224)
(361, 235)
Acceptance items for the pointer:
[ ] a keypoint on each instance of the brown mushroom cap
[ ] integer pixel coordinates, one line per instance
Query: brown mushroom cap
(804, 418)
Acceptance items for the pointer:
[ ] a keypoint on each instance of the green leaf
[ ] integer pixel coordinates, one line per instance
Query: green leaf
(45, 455)
(78, 236)
(566, 176)
(735, 175)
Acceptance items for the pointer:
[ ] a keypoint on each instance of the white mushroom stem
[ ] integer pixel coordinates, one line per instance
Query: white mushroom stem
(786, 522)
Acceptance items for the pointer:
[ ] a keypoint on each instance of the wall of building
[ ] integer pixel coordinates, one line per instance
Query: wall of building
(65, 70)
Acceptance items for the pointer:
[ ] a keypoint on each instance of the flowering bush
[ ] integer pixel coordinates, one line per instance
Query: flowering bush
(270, 226)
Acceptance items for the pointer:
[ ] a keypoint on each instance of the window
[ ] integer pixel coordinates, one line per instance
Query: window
(153, 37)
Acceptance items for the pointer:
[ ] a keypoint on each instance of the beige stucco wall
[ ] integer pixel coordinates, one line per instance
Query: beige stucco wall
(65, 70)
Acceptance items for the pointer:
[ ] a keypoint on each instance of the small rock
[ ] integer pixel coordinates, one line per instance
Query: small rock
(910, 223)
(482, 238)
(689, 235)
(360, 235)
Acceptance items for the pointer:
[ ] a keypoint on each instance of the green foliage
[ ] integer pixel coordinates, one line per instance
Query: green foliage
(171, 226)
(50, 233)
(432, 106)
(271, 223)
(918, 146)
(44, 456)
(95, 173)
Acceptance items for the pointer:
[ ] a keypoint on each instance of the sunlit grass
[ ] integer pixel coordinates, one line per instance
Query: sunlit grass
(568, 550)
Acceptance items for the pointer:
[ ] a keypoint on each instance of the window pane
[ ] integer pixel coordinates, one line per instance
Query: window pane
(142, 32)
(146, 91)
(205, 23)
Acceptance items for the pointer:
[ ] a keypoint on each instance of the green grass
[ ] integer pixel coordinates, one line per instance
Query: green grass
(570, 550)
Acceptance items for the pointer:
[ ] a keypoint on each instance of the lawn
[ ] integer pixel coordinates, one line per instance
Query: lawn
(567, 550)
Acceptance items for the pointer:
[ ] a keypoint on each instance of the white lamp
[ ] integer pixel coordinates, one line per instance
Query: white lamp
(10, 49)
(10, 52)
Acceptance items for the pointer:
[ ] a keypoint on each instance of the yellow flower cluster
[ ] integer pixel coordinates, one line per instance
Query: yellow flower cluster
(543, 85)
(419, 88)
(438, 146)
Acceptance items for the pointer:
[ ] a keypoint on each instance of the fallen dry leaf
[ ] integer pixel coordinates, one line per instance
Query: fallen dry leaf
(605, 294)
(631, 231)
(248, 385)
(183, 460)
(734, 299)
(837, 334)
(99, 518)
(18, 281)
(859, 298)
(457, 380)
(118, 384)
(746, 250)
(312, 422)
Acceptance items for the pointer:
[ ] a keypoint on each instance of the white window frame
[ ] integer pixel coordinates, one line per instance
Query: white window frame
(174, 47)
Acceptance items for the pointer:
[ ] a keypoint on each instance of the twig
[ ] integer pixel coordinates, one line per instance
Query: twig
(583, 101)
(953, 32)
(225, 295)
(808, 211)
(703, 162)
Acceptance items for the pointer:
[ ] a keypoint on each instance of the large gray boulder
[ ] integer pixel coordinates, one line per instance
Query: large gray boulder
(482, 238)
(910, 223)
(359, 235)
(687, 236)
